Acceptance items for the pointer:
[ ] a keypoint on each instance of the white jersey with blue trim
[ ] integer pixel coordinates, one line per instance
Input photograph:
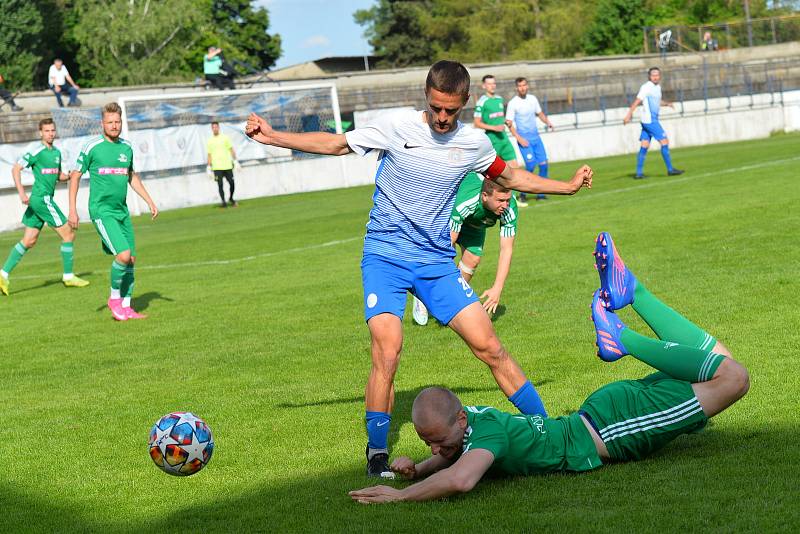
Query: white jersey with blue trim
(523, 113)
(650, 95)
(415, 187)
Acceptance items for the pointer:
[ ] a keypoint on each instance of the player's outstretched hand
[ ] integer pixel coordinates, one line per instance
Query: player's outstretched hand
(375, 494)
(405, 467)
(258, 129)
(492, 296)
(582, 178)
(72, 220)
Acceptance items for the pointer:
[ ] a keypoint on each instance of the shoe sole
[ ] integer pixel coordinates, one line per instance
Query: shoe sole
(611, 270)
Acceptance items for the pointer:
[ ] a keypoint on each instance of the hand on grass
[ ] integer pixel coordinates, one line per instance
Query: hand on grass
(375, 494)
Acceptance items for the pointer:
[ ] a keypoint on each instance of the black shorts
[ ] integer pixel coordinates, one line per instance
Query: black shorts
(227, 174)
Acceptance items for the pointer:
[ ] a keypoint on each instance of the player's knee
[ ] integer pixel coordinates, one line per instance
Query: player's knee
(385, 364)
(736, 378)
(29, 241)
(124, 257)
(645, 144)
(664, 142)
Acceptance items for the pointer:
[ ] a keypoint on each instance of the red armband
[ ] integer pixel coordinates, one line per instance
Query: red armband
(496, 168)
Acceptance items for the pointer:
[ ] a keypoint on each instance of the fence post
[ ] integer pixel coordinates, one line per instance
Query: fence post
(705, 85)
(728, 35)
(680, 97)
(544, 106)
(727, 92)
(575, 112)
(646, 44)
(603, 109)
(774, 34)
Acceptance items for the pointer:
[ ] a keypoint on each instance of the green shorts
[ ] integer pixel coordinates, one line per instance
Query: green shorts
(43, 210)
(504, 149)
(116, 233)
(637, 417)
(472, 239)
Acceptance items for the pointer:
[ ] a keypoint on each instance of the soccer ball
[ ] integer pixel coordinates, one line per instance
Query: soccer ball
(181, 443)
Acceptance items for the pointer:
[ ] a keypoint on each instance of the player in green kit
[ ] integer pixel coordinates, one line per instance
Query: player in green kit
(109, 161)
(44, 161)
(479, 205)
(622, 421)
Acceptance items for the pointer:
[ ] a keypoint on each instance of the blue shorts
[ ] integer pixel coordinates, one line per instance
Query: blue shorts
(438, 285)
(652, 130)
(534, 154)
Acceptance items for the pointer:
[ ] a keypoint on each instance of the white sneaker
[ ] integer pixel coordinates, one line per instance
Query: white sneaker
(419, 312)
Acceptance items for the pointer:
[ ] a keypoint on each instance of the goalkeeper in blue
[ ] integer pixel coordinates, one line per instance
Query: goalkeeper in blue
(623, 421)
(649, 97)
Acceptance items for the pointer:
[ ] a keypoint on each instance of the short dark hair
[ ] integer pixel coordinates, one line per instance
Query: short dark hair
(651, 69)
(490, 187)
(520, 80)
(214, 122)
(45, 122)
(487, 77)
(112, 107)
(450, 77)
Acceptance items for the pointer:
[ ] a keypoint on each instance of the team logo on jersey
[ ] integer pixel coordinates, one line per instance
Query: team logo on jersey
(455, 155)
(122, 158)
(58, 159)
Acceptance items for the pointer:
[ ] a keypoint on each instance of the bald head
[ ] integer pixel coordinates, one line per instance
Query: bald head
(435, 407)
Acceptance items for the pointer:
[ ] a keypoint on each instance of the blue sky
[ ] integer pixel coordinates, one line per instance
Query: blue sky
(311, 29)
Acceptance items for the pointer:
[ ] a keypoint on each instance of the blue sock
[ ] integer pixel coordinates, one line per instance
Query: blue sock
(543, 169)
(528, 401)
(378, 430)
(640, 160)
(665, 155)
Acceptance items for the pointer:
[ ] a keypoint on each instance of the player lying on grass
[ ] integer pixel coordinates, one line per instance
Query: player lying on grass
(424, 155)
(479, 205)
(622, 421)
(45, 162)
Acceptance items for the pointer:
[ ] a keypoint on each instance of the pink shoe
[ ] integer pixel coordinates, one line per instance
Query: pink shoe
(117, 311)
(130, 313)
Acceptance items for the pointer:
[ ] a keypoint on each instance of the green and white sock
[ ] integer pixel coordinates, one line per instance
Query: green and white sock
(17, 251)
(678, 361)
(66, 259)
(126, 287)
(668, 324)
(117, 273)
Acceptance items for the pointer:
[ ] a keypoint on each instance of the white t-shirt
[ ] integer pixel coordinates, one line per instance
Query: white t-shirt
(57, 76)
(522, 112)
(415, 187)
(650, 95)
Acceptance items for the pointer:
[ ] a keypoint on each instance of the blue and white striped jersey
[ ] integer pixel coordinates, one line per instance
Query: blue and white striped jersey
(650, 95)
(418, 175)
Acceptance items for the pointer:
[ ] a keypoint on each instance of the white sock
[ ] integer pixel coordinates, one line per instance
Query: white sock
(4, 274)
(68, 276)
(115, 293)
(126, 302)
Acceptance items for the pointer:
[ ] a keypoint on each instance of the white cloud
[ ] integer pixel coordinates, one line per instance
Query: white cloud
(316, 41)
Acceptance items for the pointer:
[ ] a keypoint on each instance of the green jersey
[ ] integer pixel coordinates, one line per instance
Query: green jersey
(109, 166)
(530, 444)
(46, 166)
(468, 209)
(489, 109)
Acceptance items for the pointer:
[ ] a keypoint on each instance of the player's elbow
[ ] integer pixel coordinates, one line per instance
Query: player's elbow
(461, 483)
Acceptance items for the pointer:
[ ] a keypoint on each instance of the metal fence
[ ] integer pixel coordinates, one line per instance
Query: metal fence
(726, 35)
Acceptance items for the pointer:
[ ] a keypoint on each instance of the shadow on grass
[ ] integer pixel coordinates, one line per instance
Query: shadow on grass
(142, 302)
(48, 283)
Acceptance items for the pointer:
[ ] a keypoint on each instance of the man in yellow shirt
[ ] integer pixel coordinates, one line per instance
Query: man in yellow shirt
(221, 159)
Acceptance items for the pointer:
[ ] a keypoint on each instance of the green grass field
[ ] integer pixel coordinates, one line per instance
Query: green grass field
(256, 325)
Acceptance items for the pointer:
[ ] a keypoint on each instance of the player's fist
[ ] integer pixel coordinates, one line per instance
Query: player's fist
(405, 467)
(583, 178)
(72, 219)
(258, 129)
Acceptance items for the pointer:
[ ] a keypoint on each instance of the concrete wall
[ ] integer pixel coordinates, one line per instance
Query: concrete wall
(591, 139)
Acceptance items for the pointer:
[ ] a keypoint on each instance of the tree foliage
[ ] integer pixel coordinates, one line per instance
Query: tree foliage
(21, 29)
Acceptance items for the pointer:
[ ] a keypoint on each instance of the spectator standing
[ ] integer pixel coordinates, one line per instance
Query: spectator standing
(60, 81)
(221, 159)
(7, 97)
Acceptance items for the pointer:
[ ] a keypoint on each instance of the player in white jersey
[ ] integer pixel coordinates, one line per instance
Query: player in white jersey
(424, 155)
(649, 97)
(521, 115)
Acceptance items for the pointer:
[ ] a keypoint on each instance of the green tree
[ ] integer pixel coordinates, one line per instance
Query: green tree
(617, 28)
(394, 30)
(20, 42)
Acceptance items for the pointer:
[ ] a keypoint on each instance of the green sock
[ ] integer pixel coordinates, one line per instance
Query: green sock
(678, 361)
(117, 272)
(66, 257)
(668, 324)
(14, 256)
(126, 287)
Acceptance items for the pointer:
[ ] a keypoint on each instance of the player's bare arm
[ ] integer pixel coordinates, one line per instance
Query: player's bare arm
(521, 140)
(16, 172)
(492, 295)
(526, 182)
(478, 123)
(629, 114)
(74, 183)
(545, 119)
(138, 186)
(460, 477)
(407, 468)
(258, 129)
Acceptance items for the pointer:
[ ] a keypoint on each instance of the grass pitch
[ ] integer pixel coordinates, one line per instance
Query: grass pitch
(256, 325)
